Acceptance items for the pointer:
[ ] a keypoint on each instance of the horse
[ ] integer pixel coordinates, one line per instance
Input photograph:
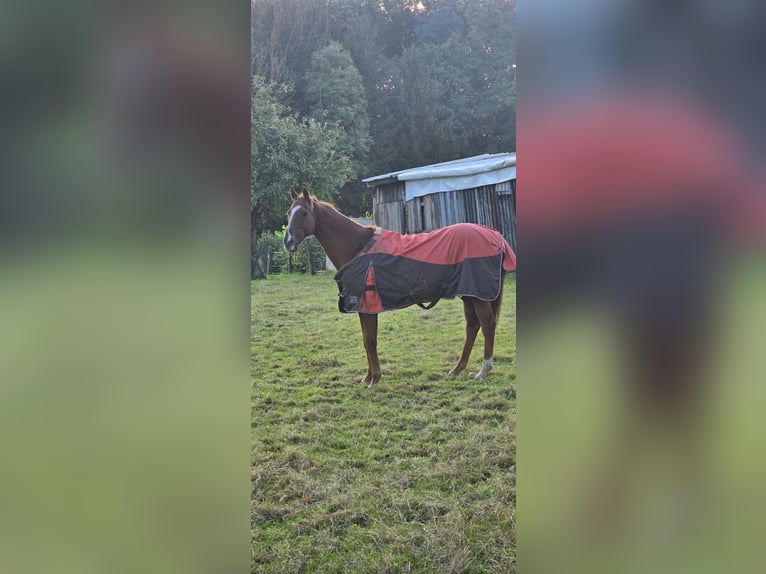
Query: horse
(344, 241)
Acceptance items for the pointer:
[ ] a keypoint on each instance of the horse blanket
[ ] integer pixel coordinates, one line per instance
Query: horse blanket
(394, 271)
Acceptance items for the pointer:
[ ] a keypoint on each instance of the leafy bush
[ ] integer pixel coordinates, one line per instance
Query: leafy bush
(272, 257)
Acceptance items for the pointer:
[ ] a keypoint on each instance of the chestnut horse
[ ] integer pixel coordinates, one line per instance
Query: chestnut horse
(342, 238)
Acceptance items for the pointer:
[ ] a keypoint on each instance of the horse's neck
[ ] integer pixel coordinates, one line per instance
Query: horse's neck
(340, 237)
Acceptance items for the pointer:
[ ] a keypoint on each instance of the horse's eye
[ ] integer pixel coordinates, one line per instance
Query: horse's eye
(304, 214)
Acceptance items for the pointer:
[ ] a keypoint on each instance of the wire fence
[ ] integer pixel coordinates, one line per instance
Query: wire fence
(271, 258)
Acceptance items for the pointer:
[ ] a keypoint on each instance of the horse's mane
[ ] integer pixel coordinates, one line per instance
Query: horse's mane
(329, 205)
(324, 203)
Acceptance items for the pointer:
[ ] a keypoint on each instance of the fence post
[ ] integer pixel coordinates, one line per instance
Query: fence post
(268, 261)
(308, 257)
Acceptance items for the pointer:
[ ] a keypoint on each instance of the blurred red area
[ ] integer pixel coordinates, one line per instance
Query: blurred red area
(623, 156)
(641, 225)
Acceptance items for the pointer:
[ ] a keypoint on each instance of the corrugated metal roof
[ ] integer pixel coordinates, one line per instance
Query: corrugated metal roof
(456, 168)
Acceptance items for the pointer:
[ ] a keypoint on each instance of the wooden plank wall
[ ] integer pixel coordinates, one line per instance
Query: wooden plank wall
(506, 203)
(491, 205)
(387, 207)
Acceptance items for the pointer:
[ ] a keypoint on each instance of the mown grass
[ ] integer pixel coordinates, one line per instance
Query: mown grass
(414, 475)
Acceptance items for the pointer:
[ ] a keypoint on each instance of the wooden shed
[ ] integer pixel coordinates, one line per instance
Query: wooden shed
(479, 189)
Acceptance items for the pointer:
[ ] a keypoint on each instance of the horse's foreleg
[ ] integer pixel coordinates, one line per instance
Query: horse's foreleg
(370, 338)
(488, 320)
(471, 330)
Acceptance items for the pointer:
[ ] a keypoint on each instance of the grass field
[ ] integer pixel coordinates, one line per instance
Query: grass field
(414, 475)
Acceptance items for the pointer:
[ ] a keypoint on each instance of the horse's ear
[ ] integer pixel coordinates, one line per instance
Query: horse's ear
(306, 194)
(293, 193)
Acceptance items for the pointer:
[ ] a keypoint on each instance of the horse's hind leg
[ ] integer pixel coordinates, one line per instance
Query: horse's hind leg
(471, 330)
(487, 319)
(370, 338)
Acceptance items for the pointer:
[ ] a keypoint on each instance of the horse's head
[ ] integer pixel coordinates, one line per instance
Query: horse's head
(300, 219)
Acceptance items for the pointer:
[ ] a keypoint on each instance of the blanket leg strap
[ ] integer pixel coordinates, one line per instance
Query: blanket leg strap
(429, 306)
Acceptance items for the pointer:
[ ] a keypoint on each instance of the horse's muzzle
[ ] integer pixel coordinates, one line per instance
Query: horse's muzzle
(290, 244)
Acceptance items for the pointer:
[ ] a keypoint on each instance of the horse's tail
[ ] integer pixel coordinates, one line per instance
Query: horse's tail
(498, 303)
(509, 258)
(509, 266)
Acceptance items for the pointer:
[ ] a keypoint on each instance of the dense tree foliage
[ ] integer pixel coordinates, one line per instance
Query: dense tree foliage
(397, 83)
(288, 151)
(334, 93)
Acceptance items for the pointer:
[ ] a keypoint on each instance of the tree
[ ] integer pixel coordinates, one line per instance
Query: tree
(283, 35)
(453, 93)
(288, 152)
(334, 93)
(490, 58)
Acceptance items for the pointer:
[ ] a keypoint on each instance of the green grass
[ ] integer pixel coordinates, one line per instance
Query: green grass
(414, 475)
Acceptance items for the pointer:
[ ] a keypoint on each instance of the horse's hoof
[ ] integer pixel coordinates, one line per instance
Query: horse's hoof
(373, 382)
(370, 379)
(486, 367)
